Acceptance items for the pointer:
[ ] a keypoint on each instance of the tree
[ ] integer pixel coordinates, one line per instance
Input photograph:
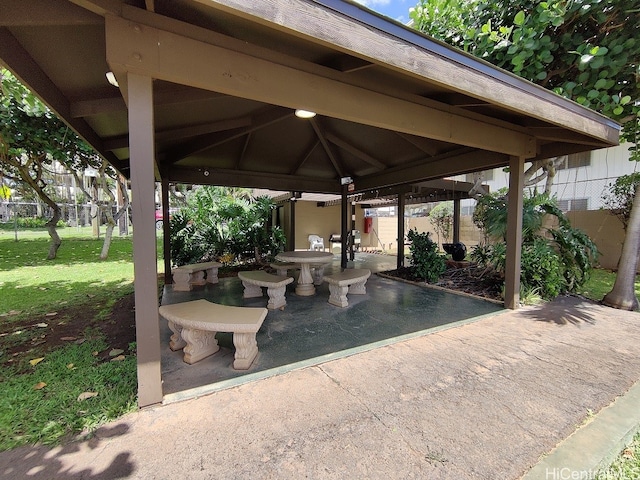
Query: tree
(618, 197)
(441, 216)
(31, 140)
(623, 294)
(584, 50)
(107, 178)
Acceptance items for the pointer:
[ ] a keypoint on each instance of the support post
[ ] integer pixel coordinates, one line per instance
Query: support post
(166, 228)
(514, 233)
(456, 220)
(292, 223)
(400, 255)
(142, 158)
(343, 227)
(352, 245)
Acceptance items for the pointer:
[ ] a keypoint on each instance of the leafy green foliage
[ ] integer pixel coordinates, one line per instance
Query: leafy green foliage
(618, 196)
(32, 138)
(426, 262)
(224, 222)
(554, 260)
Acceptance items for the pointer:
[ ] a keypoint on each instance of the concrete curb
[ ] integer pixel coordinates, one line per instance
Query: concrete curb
(594, 445)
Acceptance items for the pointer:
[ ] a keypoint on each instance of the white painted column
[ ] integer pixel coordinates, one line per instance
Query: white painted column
(514, 233)
(142, 160)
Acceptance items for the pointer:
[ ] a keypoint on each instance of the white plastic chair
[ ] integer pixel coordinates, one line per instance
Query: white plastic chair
(316, 242)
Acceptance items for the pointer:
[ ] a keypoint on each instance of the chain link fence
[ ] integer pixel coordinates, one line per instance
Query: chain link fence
(73, 215)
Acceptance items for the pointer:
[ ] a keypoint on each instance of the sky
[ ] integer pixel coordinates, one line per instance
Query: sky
(396, 9)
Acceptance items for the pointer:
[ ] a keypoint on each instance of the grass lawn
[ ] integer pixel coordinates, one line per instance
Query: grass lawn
(600, 283)
(63, 372)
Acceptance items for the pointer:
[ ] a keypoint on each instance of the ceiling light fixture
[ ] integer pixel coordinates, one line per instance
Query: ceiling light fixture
(305, 113)
(111, 78)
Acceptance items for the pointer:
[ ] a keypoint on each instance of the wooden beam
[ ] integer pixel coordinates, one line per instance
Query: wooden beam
(205, 142)
(365, 157)
(421, 143)
(247, 179)
(455, 163)
(305, 157)
(244, 151)
(164, 55)
(122, 141)
(347, 63)
(327, 148)
(44, 13)
(101, 7)
(115, 104)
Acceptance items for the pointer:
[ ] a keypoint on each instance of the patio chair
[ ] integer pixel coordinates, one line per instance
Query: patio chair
(316, 242)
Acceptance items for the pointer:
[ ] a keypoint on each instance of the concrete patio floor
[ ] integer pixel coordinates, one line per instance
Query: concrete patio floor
(310, 331)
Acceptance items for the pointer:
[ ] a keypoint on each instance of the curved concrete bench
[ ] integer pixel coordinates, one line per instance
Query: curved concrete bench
(276, 286)
(186, 276)
(349, 281)
(195, 324)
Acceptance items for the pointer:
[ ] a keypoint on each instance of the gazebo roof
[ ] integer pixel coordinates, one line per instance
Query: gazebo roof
(394, 106)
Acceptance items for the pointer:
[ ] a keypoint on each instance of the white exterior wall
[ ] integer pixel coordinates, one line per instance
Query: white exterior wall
(587, 182)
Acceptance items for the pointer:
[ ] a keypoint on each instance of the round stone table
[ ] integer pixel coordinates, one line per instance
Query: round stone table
(305, 258)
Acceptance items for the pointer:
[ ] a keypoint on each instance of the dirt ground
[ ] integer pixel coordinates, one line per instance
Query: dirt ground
(118, 326)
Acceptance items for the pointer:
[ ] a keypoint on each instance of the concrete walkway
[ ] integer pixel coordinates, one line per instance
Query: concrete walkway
(487, 400)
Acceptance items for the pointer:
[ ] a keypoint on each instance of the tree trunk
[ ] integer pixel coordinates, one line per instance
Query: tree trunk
(55, 238)
(38, 186)
(107, 239)
(623, 294)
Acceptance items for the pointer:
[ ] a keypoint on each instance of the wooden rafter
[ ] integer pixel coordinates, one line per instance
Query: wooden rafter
(327, 148)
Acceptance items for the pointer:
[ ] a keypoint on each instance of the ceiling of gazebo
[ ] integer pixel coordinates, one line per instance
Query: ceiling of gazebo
(394, 106)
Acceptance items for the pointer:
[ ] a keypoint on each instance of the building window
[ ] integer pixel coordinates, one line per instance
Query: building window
(575, 160)
(573, 205)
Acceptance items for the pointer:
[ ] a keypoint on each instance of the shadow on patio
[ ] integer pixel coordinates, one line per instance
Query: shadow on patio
(310, 331)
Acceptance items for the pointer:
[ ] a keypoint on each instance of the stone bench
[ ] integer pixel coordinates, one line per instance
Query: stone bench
(349, 281)
(253, 281)
(283, 267)
(195, 324)
(186, 276)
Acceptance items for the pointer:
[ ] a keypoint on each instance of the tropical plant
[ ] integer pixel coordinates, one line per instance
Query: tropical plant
(426, 261)
(221, 222)
(554, 260)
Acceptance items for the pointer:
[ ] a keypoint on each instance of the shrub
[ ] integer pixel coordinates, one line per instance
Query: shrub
(30, 222)
(541, 269)
(554, 261)
(427, 263)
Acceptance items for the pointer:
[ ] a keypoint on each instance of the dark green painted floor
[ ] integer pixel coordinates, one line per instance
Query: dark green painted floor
(310, 330)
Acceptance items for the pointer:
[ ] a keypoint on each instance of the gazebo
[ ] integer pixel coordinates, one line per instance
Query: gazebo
(206, 91)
